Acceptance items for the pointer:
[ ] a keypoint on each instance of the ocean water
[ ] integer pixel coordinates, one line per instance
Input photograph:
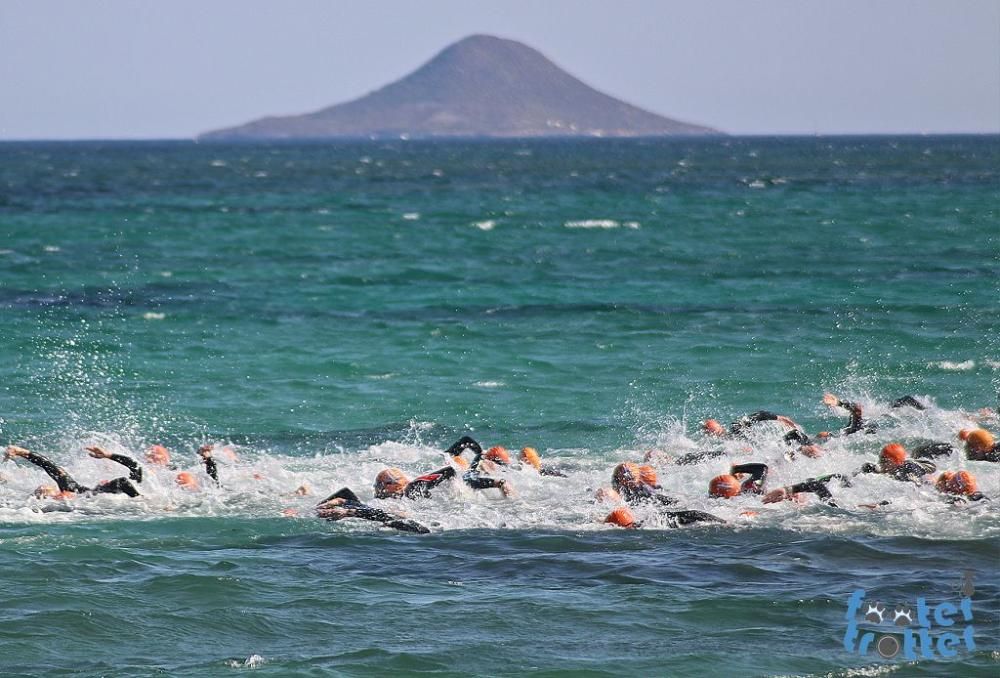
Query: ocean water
(328, 310)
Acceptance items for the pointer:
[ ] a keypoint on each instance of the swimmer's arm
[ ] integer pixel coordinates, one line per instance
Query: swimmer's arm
(462, 444)
(63, 479)
(135, 471)
(420, 487)
(758, 472)
(549, 471)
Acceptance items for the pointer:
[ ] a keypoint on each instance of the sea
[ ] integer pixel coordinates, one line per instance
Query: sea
(322, 311)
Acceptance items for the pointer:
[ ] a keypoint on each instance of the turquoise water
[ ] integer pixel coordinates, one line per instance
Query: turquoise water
(332, 309)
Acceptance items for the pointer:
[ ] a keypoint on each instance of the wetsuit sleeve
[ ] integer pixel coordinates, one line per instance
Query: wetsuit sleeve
(375, 515)
(462, 444)
(867, 468)
(63, 479)
(813, 485)
(931, 450)
(758, 472)
(696, 457)
(342, 493)
(908, 401)
(856, 423)
(117, 486)
(549, 471)
(422, 486)
(797, 437)
(134, 470)
(681, 518)
(211, 469)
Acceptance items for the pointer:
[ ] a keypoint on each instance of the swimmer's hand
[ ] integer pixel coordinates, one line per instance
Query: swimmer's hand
(774, 496)
(335, 513)
(787, 422)
(811, 451)
(507, 490)
(98, 452)
(14, 451)
(830, 400)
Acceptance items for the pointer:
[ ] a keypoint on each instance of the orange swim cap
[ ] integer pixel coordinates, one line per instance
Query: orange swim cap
(187, 481)
(626, 475)
(964, 433)
(713, 427)
(979, 440)
(529, 455)
(647, 475)
(724, 486)
(893, 455)
(46, 492)
(498, 454)
(622, 517)
(941, 484)
(390, 482)
(962, 482)
(159, 455)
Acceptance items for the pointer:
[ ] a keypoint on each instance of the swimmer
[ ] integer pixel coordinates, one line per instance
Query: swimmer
(728, 485)
(817, 486)
(392, 482)
(474, 477)
(345, 504)
(637, 484)
(623, 517)
(857, 422)
(529, 455)
(981, 446)
(742, 426)
(68, 487)
(205, 452)
(158, 455)
(894, 463)
(960, 487)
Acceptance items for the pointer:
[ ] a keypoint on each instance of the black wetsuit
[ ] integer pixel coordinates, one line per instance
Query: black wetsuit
(422, 486)
(910, 470)
(366, 512)
(746, 422)
(475, 478)
(857, 422)
(963, 498)
(689, 517)
(66, 483)
(818, 486)
(932, 450)
(550, 471)
(698, 457)
(642, 493)
(758, 476)
(993, 454)
(211, 469)
(908, 401)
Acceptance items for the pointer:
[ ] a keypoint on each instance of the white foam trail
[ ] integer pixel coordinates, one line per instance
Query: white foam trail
(949, 365)
(485, 225)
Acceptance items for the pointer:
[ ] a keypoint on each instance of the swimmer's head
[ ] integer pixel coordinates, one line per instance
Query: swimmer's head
(713, 427)
(622, 517)
(529, 455)
(46, 492)
(390, 482)
(607, 494)
(962, 482)
(186, 480)
(498, 455)
(159, 455)
(941, 483)
(725, 486)
(979, 440)
(626, 475)
(892, 457)
(647, 475)
(964, 433)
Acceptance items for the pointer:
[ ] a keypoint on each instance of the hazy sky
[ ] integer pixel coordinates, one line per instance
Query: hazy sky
(143, 69)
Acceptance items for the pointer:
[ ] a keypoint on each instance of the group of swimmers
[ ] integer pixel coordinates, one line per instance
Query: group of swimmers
(632, 483)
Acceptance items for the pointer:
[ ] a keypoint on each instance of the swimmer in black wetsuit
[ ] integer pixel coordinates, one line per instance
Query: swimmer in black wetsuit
(205, 452)
(980, 445)
(68, 486)
(529, 455)
(728, 485)
(960, 487)
(391, 482)
(894, 463)
(933, 450)
(637, 484)
(817, 486)
(743, 425)
(474, 477)
(623, 517)
(857, 422)
(345, 504)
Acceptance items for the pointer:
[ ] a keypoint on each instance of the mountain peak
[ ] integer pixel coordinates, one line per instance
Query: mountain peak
(481, 85)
